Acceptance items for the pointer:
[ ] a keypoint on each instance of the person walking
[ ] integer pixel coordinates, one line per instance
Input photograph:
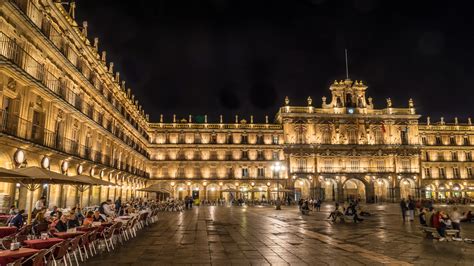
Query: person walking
(318, 205)
(456, 221)
(403, 207)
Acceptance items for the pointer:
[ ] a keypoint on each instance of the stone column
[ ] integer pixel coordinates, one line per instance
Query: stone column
(370, 192)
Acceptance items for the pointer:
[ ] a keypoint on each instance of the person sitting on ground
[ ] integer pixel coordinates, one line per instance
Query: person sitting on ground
(72, 220)
(351, 211)
(17, 220)
(61, 226)
(89, 219)
(98, 217)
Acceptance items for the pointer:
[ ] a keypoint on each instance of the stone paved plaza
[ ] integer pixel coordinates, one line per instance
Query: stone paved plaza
(262, 236)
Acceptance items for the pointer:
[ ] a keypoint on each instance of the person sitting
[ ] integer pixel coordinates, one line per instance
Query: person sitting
(422, 217)
(106, 209)
(17, 220)
(12, 210)
(61, 226)
(55, 219)
(444, 223)
(467, 217)
(351, 211)
(78, 212)
(72, 220)
(89, 219)
(305, 207)
(98, 217)
(54, 211)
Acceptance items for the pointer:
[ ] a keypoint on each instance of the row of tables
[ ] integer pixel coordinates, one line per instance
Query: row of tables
(33, 246)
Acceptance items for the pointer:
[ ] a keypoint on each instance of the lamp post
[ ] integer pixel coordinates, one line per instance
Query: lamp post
(277, 168)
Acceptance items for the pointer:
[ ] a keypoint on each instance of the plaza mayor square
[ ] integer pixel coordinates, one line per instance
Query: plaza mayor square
(236, 132)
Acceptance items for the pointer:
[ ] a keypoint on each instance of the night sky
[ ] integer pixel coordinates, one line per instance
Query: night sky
(243, 57)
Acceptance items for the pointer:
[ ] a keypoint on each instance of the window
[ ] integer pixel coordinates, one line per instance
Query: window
(423, 140)
(275, 139)
(230, 139)
(355, 165)
(301, 164)
(454, 156)
(328, 165)
(456, 172)
(468, 156)
(428, 172)
(326, 136)
(466, 140)
(245, 155)
(442, 172)
(275, 156)
(404, 136)
(260, 139)
(244, 139)
(245, 172)
(380, 165)
(440, 156)
(438, 140)
(352, 136)
(469, 172)
(378, 136)
(427, 156)
(405, 166)
(452, 140)
(260, 155)
(261, 172)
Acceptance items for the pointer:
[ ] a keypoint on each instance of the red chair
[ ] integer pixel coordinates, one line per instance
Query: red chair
(61, 252)
(39, 259)
(73, 247)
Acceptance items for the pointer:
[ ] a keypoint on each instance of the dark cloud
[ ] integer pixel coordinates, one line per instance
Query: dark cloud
(244, 56)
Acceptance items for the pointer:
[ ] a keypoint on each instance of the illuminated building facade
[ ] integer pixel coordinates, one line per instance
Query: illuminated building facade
(62, 107)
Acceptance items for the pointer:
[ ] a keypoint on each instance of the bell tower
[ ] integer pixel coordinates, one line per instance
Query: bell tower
(347, 94)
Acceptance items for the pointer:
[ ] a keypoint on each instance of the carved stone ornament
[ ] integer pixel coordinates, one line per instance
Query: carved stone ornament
(11, 84)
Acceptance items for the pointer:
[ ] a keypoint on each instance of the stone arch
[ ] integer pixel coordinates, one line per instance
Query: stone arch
(329, 189)
(407, 188)
(382, 190)
(354, 189)
(302, 188)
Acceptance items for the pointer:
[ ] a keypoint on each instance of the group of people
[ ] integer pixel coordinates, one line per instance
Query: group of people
(353, 210)
(430, 217)
(309, 204)
(63, 219)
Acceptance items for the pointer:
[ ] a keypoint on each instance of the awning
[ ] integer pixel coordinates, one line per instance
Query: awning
(92, 180)
(10, 173)
(37, 175)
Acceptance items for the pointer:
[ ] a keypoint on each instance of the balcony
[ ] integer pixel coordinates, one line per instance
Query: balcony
(302, 170)
(13, 125)
(19, 57)
(356, 170)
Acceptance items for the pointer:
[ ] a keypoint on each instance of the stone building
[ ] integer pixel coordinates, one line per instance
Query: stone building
(64, 108)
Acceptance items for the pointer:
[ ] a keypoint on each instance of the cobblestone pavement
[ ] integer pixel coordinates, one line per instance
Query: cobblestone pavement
(263, 236)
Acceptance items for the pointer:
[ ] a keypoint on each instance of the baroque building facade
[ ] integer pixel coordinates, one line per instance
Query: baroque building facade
(64, 108)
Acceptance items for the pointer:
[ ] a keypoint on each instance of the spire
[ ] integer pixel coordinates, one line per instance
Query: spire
(347, 65)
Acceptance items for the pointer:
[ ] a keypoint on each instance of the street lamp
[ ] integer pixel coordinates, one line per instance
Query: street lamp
(277, 168)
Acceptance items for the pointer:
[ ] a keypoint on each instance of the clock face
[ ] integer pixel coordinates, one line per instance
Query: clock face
(350, 110)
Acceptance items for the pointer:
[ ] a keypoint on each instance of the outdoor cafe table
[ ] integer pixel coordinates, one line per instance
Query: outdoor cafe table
(42, 243)
(4, 217)
(7, 256)
(67, 235)
(7, 230)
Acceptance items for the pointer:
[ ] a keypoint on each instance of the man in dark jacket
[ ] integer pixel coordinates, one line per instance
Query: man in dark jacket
(403, 207)
(17, 220)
